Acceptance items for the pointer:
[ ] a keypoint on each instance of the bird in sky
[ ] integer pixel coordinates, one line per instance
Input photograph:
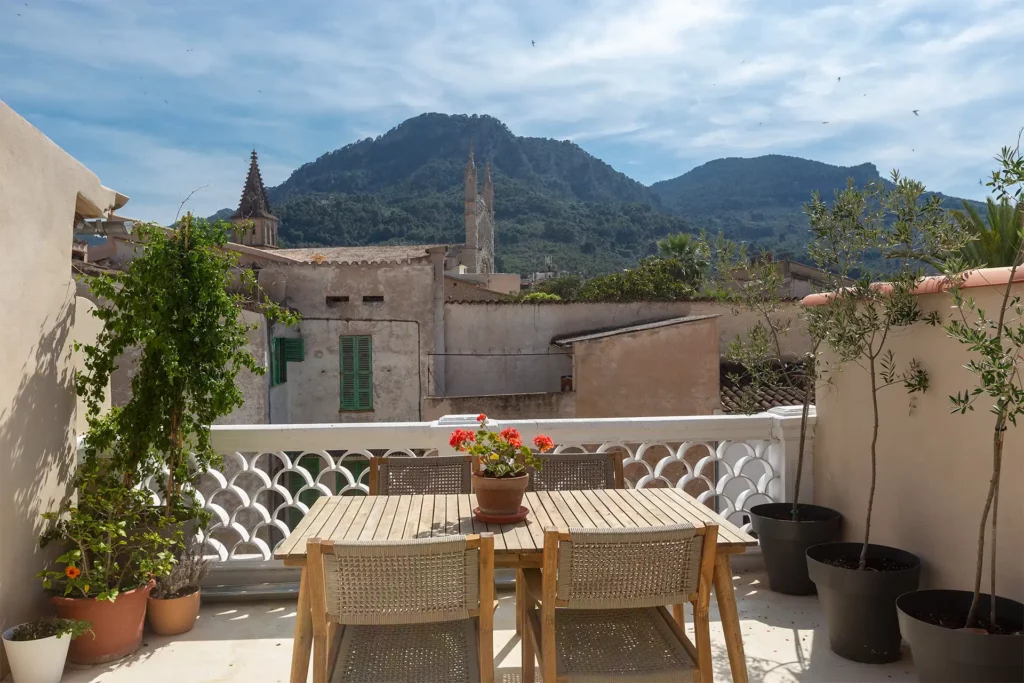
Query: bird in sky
(838, 78)
(915, 113)
(824, 122)
(533, 42)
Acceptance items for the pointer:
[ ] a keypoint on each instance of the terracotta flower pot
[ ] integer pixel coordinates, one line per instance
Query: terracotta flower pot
(117, 625)
(173, 616)
(499, 497)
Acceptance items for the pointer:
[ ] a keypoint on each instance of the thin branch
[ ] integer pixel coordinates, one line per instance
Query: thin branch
(180, 206)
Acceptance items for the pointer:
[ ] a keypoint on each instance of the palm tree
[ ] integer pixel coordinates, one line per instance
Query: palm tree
(690, 253)
(997, 236)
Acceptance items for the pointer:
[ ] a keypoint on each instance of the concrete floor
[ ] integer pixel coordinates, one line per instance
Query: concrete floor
(250, 642)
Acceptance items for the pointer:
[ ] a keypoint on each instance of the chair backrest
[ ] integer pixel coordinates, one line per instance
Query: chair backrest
(630, 568)
(577, 472)
(401, 582)
(426, 475)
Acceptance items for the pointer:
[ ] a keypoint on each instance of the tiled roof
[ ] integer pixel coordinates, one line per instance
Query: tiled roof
(569, 339)
(735, 394)
(349, 255)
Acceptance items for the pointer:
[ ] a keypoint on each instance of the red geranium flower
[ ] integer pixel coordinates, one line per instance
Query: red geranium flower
(544, 443)
(511, 437)
(481, 418)
(460, 437)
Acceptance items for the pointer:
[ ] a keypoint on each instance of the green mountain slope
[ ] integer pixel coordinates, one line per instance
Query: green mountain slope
(554, 202)
(760, 200)
(556, 205)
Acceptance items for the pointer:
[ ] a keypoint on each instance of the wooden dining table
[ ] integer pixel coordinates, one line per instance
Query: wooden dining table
(519, 546)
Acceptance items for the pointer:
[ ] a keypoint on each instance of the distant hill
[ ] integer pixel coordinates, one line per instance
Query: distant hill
(760, 200)
(555, 203)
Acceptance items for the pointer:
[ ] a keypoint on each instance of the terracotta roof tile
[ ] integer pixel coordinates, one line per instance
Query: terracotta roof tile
(350, 255)
(734, 394)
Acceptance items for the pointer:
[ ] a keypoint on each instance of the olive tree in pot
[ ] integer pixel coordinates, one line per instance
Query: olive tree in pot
(37, 650)
(784, 530)
(961, 635)
(858, 583)
(174, 602)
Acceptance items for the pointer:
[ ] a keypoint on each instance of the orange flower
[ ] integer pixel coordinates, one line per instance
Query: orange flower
(481, 418)
(511, 436)
(544, 443)
(72, 572)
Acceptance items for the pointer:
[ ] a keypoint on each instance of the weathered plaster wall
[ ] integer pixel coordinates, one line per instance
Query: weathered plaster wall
(41, 189)
(504, 406)
(933, 467)
(402, 328)
(499, 348)
(254, 387)
(669, 370)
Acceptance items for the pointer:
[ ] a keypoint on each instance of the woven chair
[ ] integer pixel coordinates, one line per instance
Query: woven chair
(597, 611)
(577, 472)
(397, 611)
(427, 475)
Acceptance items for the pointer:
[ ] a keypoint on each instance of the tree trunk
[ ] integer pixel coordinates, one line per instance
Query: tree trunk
(808, 384)
(874, 465)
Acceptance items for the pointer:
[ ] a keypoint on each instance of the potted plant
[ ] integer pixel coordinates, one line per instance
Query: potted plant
(784, 530)
(37, 650)
(961, 635)
(174, 602)
(503, 473)
(111, 554)
(858, 583)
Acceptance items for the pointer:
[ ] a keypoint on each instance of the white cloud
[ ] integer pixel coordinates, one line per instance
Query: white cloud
(671, 82)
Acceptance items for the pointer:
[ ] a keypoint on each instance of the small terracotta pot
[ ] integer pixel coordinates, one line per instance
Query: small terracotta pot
(117, 625)
(173, 616)
(499, 497)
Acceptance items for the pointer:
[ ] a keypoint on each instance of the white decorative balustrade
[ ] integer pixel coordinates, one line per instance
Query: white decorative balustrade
(271, 474)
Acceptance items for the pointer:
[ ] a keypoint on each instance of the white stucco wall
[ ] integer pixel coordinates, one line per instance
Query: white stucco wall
(501, 348)
(41, 189)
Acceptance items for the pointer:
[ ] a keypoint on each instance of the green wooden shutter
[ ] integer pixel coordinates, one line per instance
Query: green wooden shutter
(294, 350)
(364, 373)
(356, 372)
(276, 365)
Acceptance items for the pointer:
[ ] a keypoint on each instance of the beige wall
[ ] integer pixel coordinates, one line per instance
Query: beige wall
(503, 348)
(670, 370)
(41, 188)
(87, 328)
(547, 406)
(933, 467)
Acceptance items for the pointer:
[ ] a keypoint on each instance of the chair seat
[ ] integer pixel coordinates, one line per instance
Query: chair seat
(443, 652)
(605, 646)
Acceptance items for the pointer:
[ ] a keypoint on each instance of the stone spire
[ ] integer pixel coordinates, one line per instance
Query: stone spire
(257, 227)
(254, 202)
(488, 188)
(470, 177)
(471, 210)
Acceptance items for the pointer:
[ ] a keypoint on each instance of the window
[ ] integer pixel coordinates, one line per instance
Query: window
(335, 300)
(284, 350)
(373, 299)
(356, 372)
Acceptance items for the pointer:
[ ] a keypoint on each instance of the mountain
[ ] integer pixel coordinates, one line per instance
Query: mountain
(554, 202)
(760, 200)
(556, 205)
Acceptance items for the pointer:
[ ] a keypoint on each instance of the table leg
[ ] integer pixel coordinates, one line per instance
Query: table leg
(520, 600)
(302, 641)
(726, 597)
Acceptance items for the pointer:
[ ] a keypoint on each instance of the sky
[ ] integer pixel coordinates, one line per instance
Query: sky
(162, 98)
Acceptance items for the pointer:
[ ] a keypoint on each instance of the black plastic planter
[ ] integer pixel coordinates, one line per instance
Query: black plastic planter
(784, 542)
(860, 605)
(949, 654)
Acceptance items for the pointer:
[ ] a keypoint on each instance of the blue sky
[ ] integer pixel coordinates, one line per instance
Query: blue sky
(162, 97)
